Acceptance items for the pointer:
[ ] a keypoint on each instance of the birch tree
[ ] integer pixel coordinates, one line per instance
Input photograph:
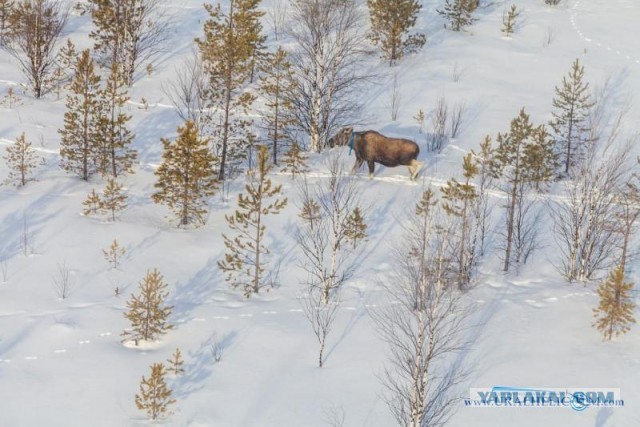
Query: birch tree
(35, 29)
(422, 325)
(327, 58)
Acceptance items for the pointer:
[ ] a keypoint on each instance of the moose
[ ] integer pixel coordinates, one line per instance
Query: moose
(373, 147)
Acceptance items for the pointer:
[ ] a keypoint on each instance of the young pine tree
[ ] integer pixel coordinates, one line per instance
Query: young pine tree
(147, 311)
(244, 261)
(391, 21)
(65, 61)
(155, 396)
(356, 227)
(295, 161)
(116, 155)
(176, 363)
(275, 86)
(459, 200)
(185, 177)
(21, 161)
(513, 164)
(113, 198)
(571, 107)
(78, 145)
(615, 311)
(114, 253)
(92, 203)
(229, 47)
(458, 13)
(509, 20)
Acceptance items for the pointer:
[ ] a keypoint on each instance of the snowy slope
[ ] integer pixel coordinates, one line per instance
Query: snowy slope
(62, 363)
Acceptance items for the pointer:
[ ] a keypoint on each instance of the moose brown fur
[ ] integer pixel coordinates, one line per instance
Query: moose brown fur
(373, 147)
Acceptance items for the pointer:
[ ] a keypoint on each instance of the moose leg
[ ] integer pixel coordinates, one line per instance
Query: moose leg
(371, 165)
(357, 165)
(414, 168)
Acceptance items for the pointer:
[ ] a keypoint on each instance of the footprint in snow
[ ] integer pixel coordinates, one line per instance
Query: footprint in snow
(222, 317)
(295, 310)
(199, 319)
(269, 312)
(246, 315)
(551, 299)
(84, 342)
(31, 358)
(105, 334)
(60, 351)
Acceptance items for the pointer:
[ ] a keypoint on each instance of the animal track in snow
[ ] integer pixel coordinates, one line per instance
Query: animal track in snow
(105, 334)
(572, 17)
(84, 342)
(31, 358)
(60, 351)
(269, 312)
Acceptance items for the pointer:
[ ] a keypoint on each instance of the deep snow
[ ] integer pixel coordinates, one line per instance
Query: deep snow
(62, 362)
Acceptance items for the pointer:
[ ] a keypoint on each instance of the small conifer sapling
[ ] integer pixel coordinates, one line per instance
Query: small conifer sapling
(615, 312)
(155, 396)
(147, 311)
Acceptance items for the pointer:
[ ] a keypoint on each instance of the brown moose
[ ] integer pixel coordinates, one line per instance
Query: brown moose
(373, 147)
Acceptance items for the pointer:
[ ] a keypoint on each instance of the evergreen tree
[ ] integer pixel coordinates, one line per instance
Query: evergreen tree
(155, 395)
(185, 177)
(78, 147)
(458, 14)
(114, 253)
(459, 199)
(176, 363)
(356, 227)
(571, 108)
(65, 61)
(310, 212)
(295, 161)
(92, 203)
(127, 33)
(21, 161)
(243, 262)
(147, 311)
(512, 163)
(275, 85)
(117, 156)
(113, 198)
(542, 161)
(391, 21)
(615, 311)
(229, 47)
(509, 20)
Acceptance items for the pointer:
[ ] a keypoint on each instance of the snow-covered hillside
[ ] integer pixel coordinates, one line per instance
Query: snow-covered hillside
(62, 362)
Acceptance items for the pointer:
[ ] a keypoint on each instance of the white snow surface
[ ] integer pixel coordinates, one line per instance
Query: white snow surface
(62, 362)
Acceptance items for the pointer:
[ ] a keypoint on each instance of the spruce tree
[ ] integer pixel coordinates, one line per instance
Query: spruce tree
(92, 203)
(176, 362)
(571, 108)
(615, 310)
(229, 46)
(113, 198)
(147, 311)
(114, 253)
(117, 156)
(356, 227)
(295, 161)
(21, 161)
(310, 212)
(458, 14)
(459, 199)
(155, 396)
(391, 22)
(78, 146)
(244, 261)
(276, 85)
(185, 177)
